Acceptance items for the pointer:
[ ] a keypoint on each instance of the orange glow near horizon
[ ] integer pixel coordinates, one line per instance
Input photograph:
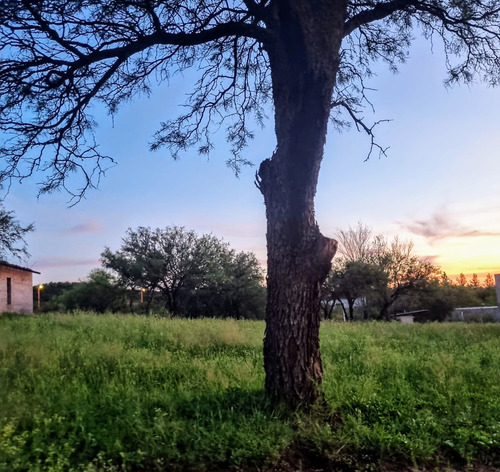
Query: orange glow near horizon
(454, 270)
(465, 256)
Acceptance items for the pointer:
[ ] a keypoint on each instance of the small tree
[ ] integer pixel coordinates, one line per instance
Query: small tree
(12, 234)
(99, 293)
(474, 281)
(406, 272)
(355, 244)
(444, 279)
(380, 269)
(487, 292)
(436, 297)
(244, 292)
(195, 275)
(235, 290)
(461, 280)
(353, 281)
(489, 281)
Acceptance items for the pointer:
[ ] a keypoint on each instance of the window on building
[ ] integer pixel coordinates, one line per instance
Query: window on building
(9, 291)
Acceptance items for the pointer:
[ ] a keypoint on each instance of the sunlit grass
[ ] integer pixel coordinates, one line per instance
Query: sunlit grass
(104, 393)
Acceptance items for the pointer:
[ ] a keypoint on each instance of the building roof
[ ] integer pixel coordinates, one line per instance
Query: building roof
(412, 313)
(14, 266)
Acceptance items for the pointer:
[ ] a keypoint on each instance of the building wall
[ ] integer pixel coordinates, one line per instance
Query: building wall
(497, 284)
(21, 290)
(408, 319)
(483, 313)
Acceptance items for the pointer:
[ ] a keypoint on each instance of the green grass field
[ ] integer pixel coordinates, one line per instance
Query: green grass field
(121, 393)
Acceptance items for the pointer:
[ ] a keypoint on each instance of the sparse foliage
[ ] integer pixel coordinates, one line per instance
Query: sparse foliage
(355, 244)
(406, 272)
(444, 279)
(489, 281)
(474, 282)
(12, 234)
(379, 269)
(461, 280)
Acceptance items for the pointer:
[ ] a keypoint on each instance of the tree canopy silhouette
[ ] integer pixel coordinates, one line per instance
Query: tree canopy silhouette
(309, 58)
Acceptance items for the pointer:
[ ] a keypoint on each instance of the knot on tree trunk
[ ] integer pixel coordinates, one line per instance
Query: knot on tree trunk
(324, 251)
(262, 176)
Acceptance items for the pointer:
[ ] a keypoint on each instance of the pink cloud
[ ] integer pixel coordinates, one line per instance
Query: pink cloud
(432, 259)
(442, 226)
(84, 228)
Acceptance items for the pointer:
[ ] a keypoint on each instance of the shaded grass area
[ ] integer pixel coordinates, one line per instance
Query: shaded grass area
(414, 393)
(112, 393)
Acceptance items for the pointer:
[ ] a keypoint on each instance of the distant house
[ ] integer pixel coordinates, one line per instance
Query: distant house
(475, 313)
(479, 313)
(409, 317)
(16, 288)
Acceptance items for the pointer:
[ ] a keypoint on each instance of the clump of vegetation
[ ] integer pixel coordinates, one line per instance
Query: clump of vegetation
(93, 393)
(375, 277)
(169, 270)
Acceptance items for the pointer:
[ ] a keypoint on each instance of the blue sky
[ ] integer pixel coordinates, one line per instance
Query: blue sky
(439, 184)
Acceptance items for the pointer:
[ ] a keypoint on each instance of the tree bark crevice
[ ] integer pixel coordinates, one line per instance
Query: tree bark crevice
(299, 256)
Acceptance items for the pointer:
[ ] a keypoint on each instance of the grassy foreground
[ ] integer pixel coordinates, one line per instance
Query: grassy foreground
(121, 393)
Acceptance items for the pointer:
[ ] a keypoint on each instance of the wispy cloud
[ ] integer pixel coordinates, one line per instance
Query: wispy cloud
(441, 225)
(84, 228)
(57, 262)
(433, 259)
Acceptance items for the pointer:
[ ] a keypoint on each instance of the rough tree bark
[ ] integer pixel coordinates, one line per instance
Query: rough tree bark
(304, 66)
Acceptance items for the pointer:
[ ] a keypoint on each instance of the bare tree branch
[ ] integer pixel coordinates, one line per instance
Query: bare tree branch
(362, 126)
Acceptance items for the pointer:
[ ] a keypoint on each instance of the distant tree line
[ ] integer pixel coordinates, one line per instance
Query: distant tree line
(172, 271)
(374, 277)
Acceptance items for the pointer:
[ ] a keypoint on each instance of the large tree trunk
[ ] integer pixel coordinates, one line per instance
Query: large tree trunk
(304, 67)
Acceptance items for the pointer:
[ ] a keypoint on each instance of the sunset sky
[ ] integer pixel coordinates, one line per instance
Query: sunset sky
(439, 184)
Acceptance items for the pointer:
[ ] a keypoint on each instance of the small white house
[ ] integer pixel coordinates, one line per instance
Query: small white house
(16, 288)
(409, 317)
(405, 318)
